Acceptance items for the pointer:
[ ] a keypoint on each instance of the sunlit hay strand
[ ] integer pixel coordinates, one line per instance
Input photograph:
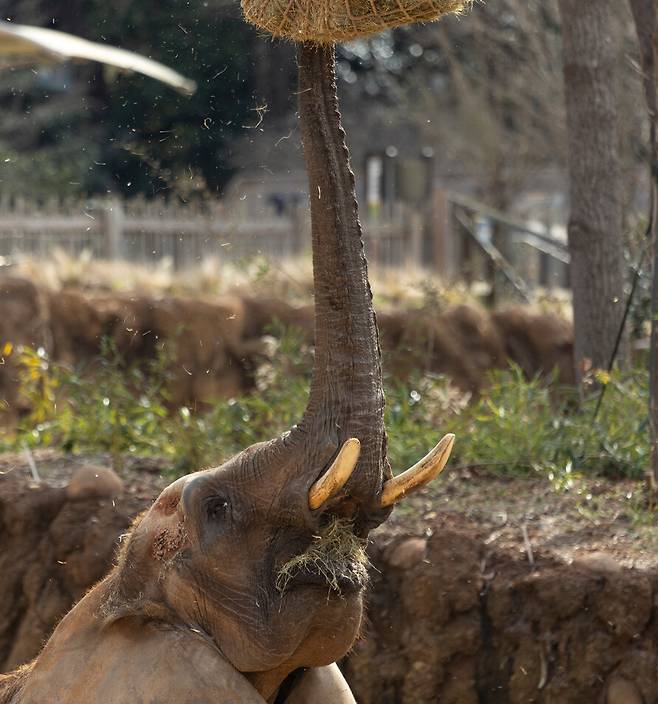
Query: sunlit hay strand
(335, 554)
(327, 21)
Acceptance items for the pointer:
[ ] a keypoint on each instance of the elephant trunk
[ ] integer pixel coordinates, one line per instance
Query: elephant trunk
(347, 397)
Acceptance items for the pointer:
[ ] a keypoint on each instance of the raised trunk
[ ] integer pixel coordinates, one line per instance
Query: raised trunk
(595, 224)
(347, 398)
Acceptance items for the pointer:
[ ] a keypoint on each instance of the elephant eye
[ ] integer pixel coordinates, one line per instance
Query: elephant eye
(217, 508)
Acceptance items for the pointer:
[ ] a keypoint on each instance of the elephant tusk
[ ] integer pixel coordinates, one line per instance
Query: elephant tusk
(420, 474)
(334, 479)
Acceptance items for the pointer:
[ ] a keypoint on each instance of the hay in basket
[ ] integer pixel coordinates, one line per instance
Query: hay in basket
(327, 21)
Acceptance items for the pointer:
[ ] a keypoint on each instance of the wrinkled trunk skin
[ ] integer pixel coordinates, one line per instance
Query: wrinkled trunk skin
(595, 225)
(347, 398)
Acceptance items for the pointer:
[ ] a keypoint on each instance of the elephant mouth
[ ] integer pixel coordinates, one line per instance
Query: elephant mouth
(342, 578)
(336, 559)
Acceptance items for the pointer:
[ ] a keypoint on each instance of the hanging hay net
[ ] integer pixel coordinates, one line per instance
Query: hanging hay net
(326, 21)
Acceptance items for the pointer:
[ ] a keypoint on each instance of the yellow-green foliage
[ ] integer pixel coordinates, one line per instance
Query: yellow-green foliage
(516, 426)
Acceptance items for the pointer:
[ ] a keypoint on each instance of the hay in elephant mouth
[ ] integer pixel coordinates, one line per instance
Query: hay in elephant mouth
(336, 558)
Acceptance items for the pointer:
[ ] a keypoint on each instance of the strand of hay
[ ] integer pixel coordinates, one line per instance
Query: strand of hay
(327, 21)
(334, 554)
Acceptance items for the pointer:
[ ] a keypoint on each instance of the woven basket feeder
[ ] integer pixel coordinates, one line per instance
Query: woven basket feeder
(329, 21)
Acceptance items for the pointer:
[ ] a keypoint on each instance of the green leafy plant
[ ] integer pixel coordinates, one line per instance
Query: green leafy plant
(520, 426)
(108, 406)
(516, 426)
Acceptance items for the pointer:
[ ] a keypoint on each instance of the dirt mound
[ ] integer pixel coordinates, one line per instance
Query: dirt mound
(217, 342)
(461, 343)
(453, 616)
(53, 550)
(260, 315)
(78, 323)
(537, 342)
(466, 342)
(454, 621)
(207, 339)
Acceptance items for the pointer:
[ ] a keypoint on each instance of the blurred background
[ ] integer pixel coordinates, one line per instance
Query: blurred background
(457, 133)
(140, 226)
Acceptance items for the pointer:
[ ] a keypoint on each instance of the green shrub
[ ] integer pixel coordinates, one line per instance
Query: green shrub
(109, 407)
(521, 425)
(517, 426)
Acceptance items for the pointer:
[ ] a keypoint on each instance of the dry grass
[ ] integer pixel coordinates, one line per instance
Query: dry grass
(288, 280)
(327, 21)
(335, 554)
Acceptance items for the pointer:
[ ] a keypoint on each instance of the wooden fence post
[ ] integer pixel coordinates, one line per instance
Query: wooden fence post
(111, 226)
(300, 228)
(416, 228)
(444, 253)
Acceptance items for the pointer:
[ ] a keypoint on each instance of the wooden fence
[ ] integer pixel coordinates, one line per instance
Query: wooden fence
(451, 235)
(149, 231)
(140, 231)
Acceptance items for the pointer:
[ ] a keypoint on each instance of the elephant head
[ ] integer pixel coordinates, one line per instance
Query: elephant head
(265, 554)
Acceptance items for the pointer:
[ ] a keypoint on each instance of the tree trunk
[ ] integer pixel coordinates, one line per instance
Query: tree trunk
(595, 224)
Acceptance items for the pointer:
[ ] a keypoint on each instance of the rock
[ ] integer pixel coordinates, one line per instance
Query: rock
(409, 552)
(598, 561)
(91, 481)
(622, 691)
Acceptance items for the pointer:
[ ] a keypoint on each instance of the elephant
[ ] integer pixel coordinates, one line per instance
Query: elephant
(246, 582)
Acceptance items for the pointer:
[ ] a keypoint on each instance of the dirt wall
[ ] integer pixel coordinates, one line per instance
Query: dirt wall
(451, 619)
(455, 622)
(218, 342)
(52, 549)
